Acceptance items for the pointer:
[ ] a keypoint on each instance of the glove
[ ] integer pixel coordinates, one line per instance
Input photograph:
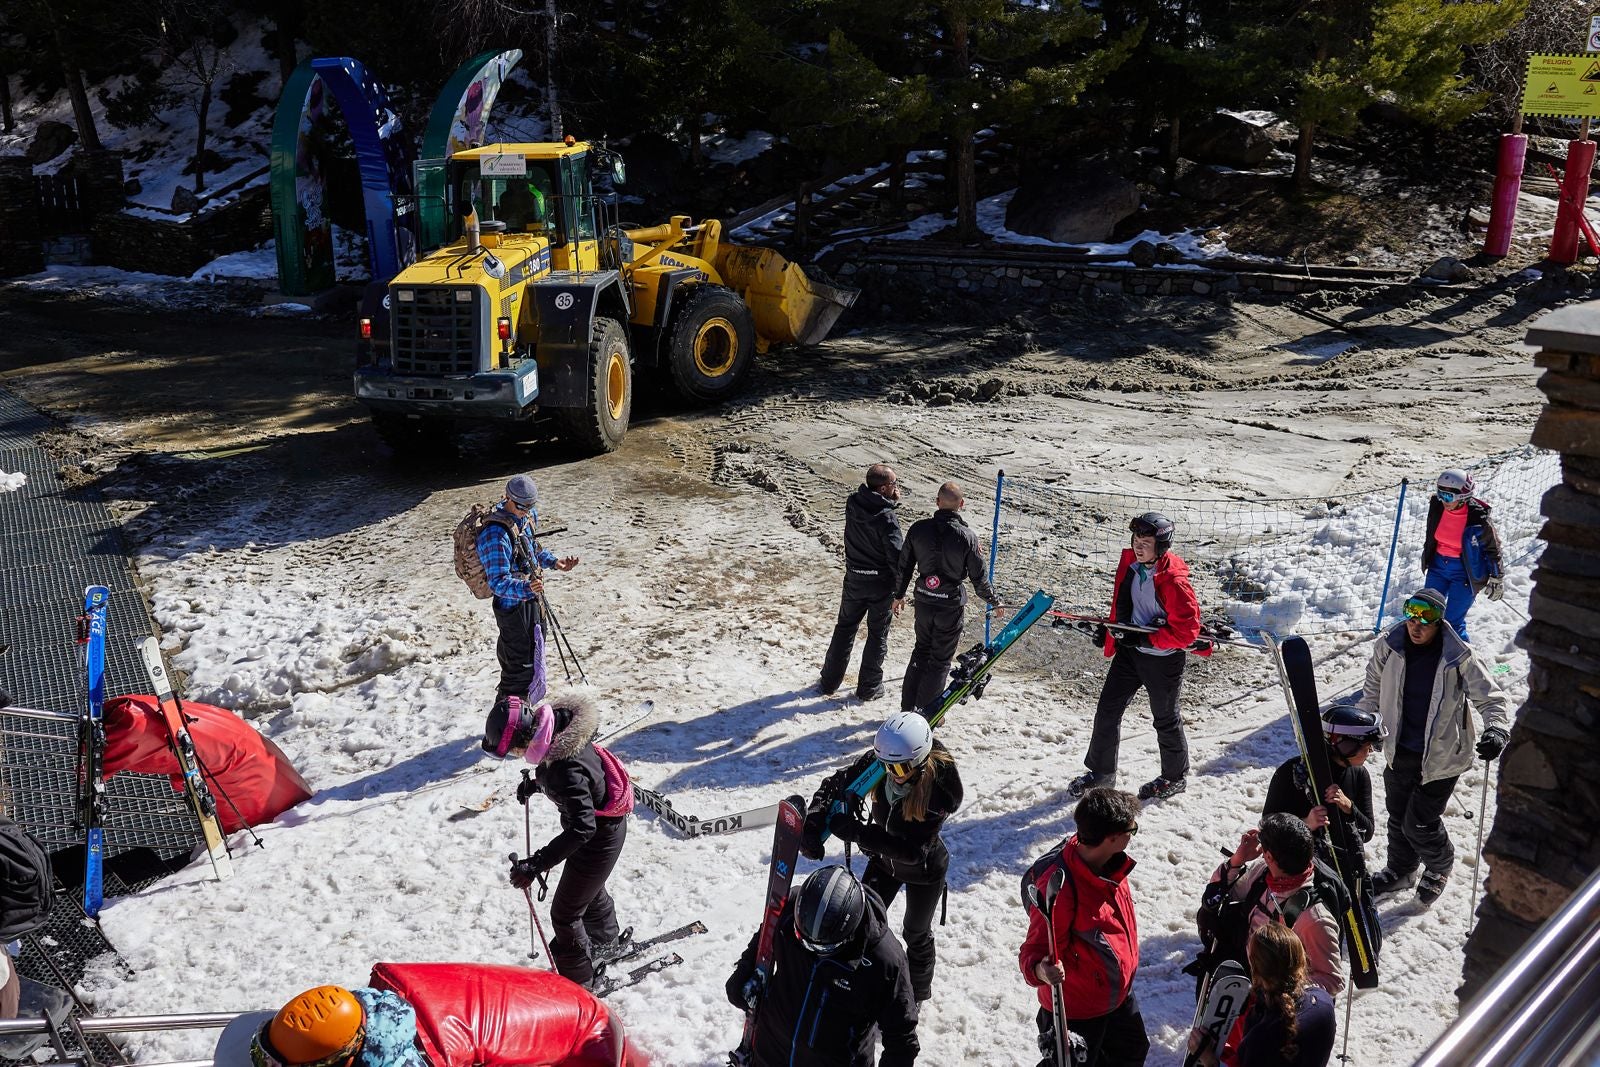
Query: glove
(811, 835)
(1492, 743)
(844, 827)
(527, 788)
(1494, 588)
(525, 872)
(1200, 645)
(751, 993)
(1077, 1049)
(1098, 635)
(1134, 639)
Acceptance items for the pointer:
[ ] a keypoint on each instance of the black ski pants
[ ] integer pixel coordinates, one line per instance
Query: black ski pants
(1416, 816)
(1162, 678)
(875, 605)
(938, 637)
(520, 648)
(1115, 1039)
(581, 912)
(922, 900)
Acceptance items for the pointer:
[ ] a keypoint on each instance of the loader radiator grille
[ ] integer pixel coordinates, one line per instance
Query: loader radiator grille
(434, 332)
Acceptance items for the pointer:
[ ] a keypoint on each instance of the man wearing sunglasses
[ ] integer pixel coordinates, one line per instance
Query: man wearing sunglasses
(872, 543)
(1420, 681)
(1461, 552)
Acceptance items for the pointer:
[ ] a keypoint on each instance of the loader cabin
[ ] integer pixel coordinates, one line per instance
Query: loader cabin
(540, 189)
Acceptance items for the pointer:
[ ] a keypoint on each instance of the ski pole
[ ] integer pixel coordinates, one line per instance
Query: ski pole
(1344, 1050)
(1483, 804)
(562, 638)
(533, 914)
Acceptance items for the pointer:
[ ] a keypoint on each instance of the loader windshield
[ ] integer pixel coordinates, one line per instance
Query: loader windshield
(526, 203)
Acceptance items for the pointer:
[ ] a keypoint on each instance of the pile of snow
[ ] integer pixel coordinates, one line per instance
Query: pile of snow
(10, 483)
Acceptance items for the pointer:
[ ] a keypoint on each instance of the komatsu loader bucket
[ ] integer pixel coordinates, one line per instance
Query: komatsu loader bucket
(789, 306)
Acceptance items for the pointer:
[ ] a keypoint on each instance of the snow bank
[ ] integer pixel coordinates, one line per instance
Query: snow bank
(10, 483)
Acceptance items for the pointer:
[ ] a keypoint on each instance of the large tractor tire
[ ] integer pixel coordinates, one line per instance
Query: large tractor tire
(713, 344)
(602, 422)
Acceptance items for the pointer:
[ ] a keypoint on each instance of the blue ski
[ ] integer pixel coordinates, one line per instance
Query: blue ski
(970, 677)
(92, 633)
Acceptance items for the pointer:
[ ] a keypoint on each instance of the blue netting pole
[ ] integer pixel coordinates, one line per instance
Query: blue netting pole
(1394, 541)
(994, 548)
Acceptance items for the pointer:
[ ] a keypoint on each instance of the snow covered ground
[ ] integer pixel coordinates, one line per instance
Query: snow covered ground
(327, 612)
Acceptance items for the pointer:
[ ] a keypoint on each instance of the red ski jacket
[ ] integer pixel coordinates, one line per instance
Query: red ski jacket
(1097, 936)
(1176, 597)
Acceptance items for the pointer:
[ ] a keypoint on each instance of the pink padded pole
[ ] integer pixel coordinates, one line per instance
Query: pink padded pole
(1574, 193)
(1507, 185)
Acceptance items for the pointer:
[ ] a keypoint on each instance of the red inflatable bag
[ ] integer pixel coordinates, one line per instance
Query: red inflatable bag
(486, 1015)
(254, 773)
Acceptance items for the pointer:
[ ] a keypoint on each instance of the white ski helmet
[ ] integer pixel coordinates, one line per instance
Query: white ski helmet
(904, 740)
(1456, 483)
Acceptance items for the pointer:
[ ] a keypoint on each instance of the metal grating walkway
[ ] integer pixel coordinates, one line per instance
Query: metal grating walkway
(56, 539)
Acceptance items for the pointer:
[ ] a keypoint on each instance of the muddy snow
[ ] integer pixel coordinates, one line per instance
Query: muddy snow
(303, 578)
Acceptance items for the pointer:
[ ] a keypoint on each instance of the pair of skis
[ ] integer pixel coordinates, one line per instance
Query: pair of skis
(1296, 673)
(1045, 903)
(1214, 633)
(780, 876)
(92, 744)
(606, 984)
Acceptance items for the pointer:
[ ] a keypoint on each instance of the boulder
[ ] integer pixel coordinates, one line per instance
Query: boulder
(1212, 183)
(1143, 254)
(1079, 201)
(51, 139)
(1225, 140)
(184, 201)
(1448, 269)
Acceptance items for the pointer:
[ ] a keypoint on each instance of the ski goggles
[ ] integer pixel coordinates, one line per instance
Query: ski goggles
(1349, 746)
(821, 948)
(901, 770)
(1418, 610)
(262, 1054)
(1449, 496)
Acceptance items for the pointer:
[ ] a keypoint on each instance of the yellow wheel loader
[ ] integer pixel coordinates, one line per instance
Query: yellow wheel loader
(531, 301)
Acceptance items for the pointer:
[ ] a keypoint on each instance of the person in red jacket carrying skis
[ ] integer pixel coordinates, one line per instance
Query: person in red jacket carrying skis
(1096, 936)
(1151, 589)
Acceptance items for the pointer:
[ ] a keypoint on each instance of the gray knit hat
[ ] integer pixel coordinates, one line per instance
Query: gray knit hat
(521, 492)
(1432, 596)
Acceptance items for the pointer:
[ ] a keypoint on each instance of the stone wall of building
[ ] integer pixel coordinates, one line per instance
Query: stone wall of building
(1546, 836)
(21, 243)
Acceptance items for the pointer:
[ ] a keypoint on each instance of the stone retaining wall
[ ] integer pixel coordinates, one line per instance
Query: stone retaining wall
(21, 247)
(169, 246)
(1546, 836)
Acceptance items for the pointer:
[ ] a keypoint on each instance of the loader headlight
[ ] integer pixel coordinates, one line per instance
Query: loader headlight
(463, 296)
(405, 296)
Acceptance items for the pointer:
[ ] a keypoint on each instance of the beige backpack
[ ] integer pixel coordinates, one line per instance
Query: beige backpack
(469, 565)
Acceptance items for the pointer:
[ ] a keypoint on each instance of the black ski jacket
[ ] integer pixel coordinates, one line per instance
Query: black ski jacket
(912, 850)
(574, 779)
(1290, 792)
(829, 1011)
(872, 542)
(945, 553)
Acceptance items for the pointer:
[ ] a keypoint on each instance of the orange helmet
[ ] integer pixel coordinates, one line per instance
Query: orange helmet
(322, 1027)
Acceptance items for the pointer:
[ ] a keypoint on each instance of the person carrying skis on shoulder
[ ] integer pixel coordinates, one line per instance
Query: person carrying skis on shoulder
(872, 544)
(1461, 550)
(1096, 935)
(839, 979)
(1351, 736)
(1419, 681)
(943, 552)
(1274, 875)
(920, 789)
(592, 790)
(1151, 588)
(510, 556)
(1287, 1021)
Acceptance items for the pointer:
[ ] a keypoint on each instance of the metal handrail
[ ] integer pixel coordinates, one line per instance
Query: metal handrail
(125, 1024)
(1539, 1009)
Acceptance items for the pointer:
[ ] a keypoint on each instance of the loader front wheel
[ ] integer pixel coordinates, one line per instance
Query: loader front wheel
(713, 344)
(601, 424)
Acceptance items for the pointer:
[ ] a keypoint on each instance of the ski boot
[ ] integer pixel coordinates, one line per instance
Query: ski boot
(1087, 781)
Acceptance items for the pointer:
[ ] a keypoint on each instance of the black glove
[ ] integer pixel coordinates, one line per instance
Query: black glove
(525, 872)
(1200, 645)
(751, 993)
(1133, 639)
(845, 828)
(1098, 635)
(527, 788)
(811, 835)
(1492, 743)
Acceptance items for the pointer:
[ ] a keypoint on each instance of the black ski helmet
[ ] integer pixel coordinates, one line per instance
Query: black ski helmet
(1347, 728)
(1153, 524)
(829, 909)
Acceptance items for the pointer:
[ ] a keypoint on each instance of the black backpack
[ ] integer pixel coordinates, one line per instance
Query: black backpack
(25, 882)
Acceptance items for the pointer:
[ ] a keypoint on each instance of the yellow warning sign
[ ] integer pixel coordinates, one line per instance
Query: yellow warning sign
(1562, 85)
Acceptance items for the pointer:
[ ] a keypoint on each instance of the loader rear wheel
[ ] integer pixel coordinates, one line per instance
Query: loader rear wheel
(713, 344)
(602, 422)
